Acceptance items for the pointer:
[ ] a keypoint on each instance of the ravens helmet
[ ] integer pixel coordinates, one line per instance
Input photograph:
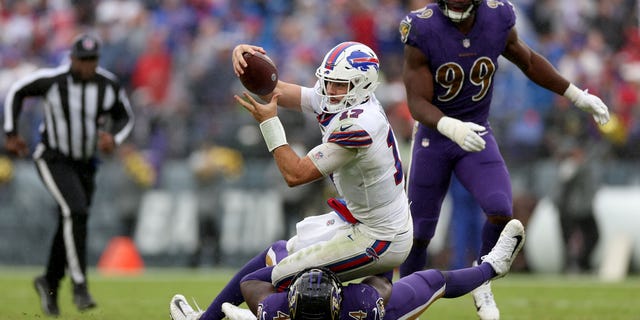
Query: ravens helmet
(458, 11)
(315, 294)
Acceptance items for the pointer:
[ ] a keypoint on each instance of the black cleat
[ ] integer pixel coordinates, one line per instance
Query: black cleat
(81, 297)
(48, 296)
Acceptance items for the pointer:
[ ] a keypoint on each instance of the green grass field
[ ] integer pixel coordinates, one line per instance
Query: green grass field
(519, 296)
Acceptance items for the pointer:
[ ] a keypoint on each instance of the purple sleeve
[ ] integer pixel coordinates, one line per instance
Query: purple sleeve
(274, 307)
(361, 301)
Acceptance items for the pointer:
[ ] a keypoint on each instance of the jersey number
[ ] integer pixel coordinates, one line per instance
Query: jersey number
(391, 143)
(451, 77)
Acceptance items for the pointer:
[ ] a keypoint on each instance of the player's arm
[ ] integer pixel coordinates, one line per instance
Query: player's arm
(295, 170)
(290, 95)
(533, 65)
(255, 291)
(542, 72)
(381, 284)
(418, 81)
(31, 86)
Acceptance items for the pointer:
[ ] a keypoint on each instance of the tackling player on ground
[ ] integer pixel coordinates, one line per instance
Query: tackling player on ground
(450, 57)
(369, 232)
(316, 293)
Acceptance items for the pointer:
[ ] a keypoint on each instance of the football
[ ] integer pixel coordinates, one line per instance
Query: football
(260, 75)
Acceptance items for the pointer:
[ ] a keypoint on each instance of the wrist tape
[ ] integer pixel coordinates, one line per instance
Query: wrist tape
(273, 133)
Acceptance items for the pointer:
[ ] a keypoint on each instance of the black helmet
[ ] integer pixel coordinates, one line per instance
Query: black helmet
(315, 294)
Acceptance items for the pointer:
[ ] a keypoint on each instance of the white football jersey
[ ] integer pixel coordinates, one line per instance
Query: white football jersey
(372, 184)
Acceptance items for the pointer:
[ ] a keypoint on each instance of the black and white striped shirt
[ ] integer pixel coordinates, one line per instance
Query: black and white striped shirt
(72, 109)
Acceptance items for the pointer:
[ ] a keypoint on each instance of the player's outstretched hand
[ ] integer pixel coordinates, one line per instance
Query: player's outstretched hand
(466, 134)
(594, 105)
(260, 112)
(588, 103)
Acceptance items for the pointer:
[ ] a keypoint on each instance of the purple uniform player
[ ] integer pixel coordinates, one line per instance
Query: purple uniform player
(451, 56)
(321, 296)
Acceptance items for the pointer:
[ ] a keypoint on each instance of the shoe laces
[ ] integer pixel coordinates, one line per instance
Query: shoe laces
(199, 311)
(502, 251)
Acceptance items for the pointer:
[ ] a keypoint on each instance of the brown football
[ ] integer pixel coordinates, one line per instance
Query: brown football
(260, 75)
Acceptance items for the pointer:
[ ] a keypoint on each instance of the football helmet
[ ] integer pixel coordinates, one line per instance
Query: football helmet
(315, 294)
(352, 63)
(458, 11)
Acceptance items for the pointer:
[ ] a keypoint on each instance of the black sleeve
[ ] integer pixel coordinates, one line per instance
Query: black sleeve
(35, 87)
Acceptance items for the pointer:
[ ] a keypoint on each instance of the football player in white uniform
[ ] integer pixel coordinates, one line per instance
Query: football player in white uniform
(369, 232)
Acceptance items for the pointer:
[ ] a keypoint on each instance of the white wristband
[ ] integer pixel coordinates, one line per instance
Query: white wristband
(572, 92)
(273, 133)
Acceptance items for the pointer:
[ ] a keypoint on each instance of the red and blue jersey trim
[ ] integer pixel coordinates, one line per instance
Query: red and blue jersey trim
(372, 253)
(352, 139)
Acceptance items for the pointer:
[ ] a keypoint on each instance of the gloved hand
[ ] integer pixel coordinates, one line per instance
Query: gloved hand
(588, 103)
(465, 134)
(233, 312)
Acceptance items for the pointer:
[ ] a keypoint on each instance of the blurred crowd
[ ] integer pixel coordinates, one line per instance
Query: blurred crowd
(174, 58)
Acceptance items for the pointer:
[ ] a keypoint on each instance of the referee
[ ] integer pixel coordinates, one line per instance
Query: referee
(78, 97)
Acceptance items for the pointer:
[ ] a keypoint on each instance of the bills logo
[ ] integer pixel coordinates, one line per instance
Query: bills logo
(362, 60)
(370, 252)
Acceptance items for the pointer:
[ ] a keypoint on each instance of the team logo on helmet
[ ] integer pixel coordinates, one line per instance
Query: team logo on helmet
(362, 60)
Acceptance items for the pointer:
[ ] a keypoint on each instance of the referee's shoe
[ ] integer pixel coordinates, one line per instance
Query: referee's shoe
(48, 296)
(81, 297)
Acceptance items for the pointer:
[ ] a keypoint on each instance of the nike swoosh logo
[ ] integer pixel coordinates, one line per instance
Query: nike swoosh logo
(177, 304)
(518, 241)
(345, 127)
(482, 133)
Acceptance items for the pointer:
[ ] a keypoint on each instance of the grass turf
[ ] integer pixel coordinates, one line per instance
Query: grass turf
(519, 296)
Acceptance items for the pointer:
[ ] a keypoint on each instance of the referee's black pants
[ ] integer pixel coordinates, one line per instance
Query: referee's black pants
(71, 183)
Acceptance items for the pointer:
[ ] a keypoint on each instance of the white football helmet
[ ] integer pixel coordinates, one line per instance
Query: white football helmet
(349, 62)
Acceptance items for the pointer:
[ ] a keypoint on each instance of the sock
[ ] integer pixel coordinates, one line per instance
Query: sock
(490, 235)
(462, 281)
(412, 294)
(416, 261)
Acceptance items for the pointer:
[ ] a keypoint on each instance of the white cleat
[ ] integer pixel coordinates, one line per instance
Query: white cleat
(485, 304)
(500, 258)
(506, 249)
(180, 309)
(236, 313)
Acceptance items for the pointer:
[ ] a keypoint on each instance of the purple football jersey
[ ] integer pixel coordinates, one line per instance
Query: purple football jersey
(359, 302)
(462, 65)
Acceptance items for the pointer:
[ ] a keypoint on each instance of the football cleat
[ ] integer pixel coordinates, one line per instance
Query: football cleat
(236, 313)
(179, 309)
(485, 304)
(81, 297)
(506, 249)
(48, 297)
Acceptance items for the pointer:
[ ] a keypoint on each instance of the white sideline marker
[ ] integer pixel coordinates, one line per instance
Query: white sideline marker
(617, 256)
